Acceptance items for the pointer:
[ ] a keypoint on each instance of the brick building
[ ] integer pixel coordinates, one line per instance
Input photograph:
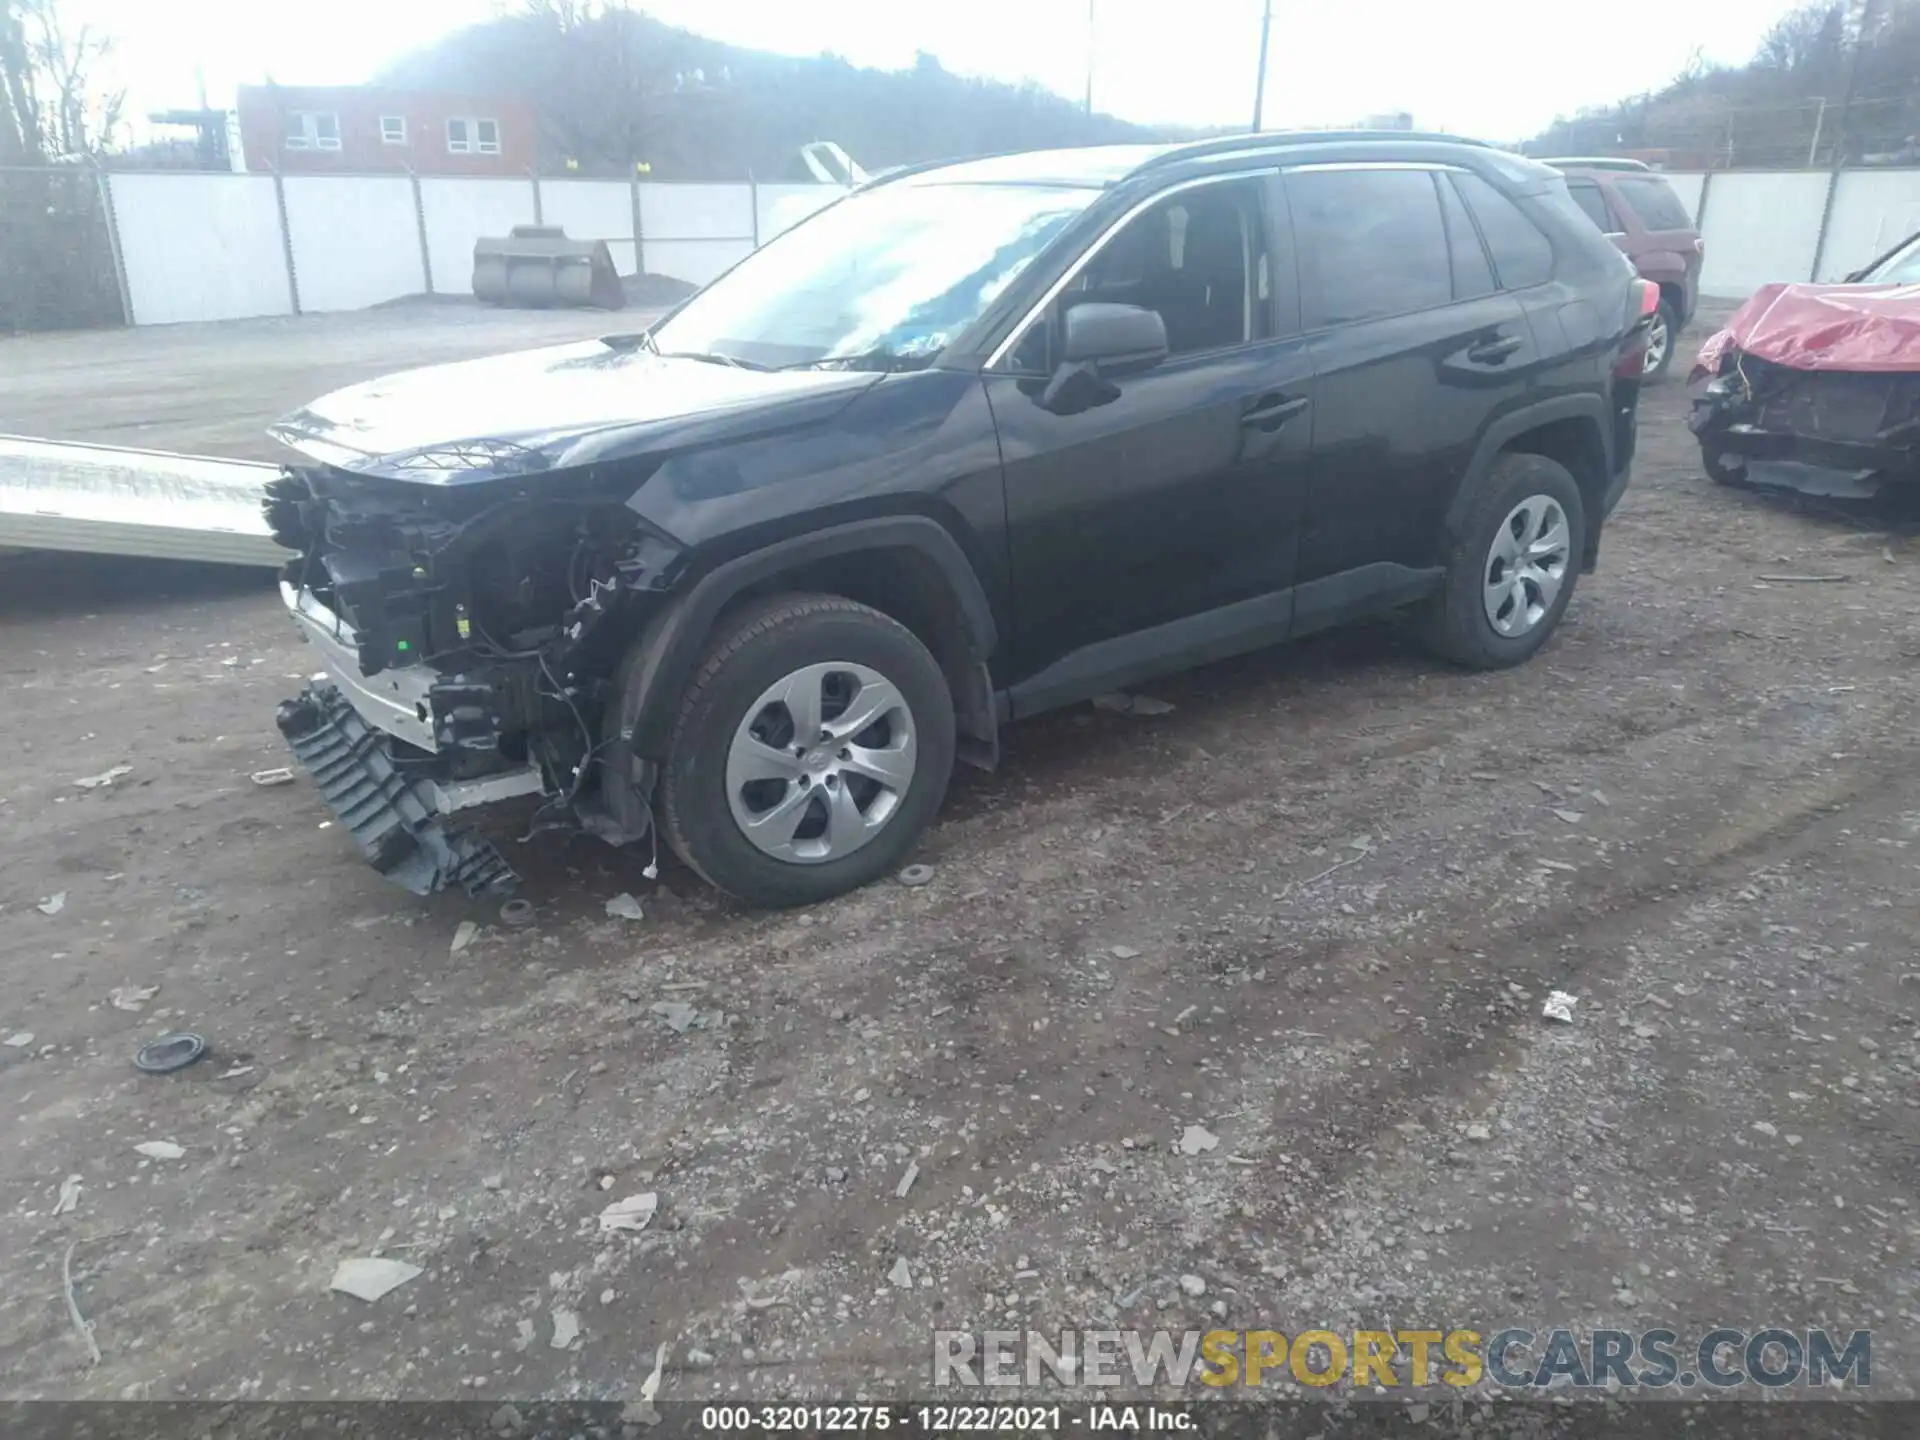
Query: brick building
(357, 129)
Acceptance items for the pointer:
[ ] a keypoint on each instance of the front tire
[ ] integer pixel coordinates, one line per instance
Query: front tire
(1512, 570)
(811, 751)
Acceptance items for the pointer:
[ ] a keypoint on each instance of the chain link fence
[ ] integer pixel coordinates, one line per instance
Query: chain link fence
(1710, 134)
(58, 271)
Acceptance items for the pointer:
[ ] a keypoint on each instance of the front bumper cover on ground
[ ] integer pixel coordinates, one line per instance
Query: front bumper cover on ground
(395, 821)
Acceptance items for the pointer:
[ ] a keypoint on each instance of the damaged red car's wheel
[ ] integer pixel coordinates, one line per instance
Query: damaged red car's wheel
(1721, 467)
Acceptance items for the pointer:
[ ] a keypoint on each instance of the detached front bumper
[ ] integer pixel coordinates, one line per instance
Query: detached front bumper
(369, 744)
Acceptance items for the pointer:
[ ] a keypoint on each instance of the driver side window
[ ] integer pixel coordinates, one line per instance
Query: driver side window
(1197, 258)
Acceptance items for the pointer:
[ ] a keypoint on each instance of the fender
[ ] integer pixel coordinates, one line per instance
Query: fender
(1505, 429)
(659, 668)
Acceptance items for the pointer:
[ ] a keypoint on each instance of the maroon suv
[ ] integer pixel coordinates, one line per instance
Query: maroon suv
(1639, 212)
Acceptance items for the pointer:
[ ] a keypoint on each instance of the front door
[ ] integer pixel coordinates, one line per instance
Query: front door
(1183, 492)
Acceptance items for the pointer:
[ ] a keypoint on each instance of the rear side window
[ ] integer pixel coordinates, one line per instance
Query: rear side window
(1655, 203)
(1472, 275)
(1522, 256)
(1370, 243)
(1587, 196)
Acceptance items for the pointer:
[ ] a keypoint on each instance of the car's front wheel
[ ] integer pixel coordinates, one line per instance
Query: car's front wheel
(810, 752)
(1511, 571)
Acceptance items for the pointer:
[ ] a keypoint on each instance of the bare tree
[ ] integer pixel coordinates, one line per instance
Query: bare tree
(52, 108)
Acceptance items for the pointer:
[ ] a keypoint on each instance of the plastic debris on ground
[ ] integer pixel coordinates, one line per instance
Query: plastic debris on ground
(69, 1196)
(566, 1329)
(906, 1180)
(641, 1411)
(677, 1013)
(369, 1279)
(1123, 704)
(53, 904)
(104, 778)
(1559, 1007)
(131, 997)
(463, 936)
(175, 1050)
(281, 776)
(159, 1150)
(636, 1212)
(900, 1277)
(624, 907)
(18, 1040)
(1197, 1140)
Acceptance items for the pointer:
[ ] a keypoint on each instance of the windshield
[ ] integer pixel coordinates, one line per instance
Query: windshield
(1900, 268)
(883, 280)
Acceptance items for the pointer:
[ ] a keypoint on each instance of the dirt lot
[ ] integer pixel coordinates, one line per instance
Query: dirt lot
(1314, 910)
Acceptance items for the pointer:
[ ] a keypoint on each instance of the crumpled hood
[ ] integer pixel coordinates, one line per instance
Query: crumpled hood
(551, 409)
(1859, 328)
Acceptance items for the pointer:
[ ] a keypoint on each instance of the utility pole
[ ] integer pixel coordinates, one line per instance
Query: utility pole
(1260, 77)
(1090, 5)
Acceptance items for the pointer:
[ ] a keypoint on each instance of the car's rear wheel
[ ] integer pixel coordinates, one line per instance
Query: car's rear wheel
(1662, 340)
(1512, 570)
(811, 751)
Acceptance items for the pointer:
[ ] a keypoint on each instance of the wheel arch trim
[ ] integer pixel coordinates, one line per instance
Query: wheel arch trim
(1505, 429)
(660, 665)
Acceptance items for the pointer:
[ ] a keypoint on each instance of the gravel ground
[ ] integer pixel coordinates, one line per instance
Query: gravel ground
(1314, 910)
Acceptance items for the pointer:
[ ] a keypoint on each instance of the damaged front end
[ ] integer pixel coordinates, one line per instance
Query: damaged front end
(469, 636)
(1832, 433)
(1814, 388)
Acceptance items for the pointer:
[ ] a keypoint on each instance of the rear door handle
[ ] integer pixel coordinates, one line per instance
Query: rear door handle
(1494, 352)
(1270, 412)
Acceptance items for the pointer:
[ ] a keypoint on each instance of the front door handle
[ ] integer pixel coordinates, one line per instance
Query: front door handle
(1494, 352)
(1270, 412)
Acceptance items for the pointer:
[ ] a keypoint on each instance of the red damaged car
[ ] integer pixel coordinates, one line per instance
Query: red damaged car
(1816, 388)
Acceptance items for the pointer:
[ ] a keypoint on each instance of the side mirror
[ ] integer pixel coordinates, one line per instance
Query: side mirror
(1117, 339)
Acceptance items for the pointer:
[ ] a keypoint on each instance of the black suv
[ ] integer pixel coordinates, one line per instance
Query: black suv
(978, 440)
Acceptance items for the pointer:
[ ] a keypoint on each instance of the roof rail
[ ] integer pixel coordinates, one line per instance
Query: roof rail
(1595, 162)
(1275, 139)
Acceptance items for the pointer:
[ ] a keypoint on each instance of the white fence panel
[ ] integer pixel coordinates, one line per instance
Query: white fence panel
(1686, 184)
(1873, 210)
(592, 210)
(200, 246)
(458, 213)
(784, 206)
(356, 240)
(1760, 227)
(695, 261)
(694, 212)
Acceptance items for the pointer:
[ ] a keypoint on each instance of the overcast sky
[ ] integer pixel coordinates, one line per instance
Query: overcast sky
(1500, 69)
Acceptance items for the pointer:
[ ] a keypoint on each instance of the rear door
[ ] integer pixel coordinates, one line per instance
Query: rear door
(1415, 348)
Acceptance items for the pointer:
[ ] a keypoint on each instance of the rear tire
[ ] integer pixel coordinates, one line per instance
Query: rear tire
(1511, 571)
(1667, 332)
(739, 765)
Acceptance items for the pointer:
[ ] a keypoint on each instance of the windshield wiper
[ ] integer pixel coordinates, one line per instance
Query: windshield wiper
(880, 359)
(712, 357)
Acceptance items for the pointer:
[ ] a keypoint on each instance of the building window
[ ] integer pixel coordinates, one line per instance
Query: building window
(312, 130)
(393, 129)
(473, 137)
